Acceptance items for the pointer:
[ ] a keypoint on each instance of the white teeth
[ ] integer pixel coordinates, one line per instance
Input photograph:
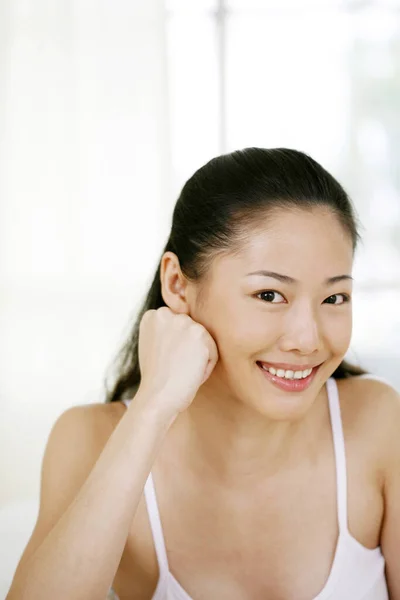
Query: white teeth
(289, 374)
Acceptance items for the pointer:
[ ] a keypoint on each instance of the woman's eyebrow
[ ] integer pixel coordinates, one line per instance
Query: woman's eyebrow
(287, 279)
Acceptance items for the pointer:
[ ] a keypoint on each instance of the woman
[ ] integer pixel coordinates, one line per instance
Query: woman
(273, 466)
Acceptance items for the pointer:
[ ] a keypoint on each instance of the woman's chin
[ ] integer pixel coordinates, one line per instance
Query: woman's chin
(283, 399)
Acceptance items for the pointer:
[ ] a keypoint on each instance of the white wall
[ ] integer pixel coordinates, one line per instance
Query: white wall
(84, 188)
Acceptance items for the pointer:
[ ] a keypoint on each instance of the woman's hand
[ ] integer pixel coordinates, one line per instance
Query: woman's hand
(176, 356)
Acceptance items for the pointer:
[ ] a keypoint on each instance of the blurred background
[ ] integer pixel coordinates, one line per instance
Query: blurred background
(106, 108)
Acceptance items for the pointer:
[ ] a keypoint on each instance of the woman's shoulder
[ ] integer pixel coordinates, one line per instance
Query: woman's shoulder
(74, 444)
(370, 408)
(78, 437)
(93, 423)
(370, 393)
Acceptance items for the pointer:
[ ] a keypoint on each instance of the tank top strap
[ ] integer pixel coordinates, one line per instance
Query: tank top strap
(155, 524)
(340, 452)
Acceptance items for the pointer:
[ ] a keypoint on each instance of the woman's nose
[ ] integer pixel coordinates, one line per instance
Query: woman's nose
(302, 333)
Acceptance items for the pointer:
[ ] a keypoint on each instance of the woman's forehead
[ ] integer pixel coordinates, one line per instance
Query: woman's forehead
(316, 229)
(293, 240)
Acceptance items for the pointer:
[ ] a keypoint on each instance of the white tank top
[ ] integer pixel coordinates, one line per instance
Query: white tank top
(357, 572)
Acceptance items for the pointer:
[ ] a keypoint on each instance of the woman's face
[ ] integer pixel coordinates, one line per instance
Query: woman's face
(295, 317)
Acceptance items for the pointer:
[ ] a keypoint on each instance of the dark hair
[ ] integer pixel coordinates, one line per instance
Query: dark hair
(217, 207)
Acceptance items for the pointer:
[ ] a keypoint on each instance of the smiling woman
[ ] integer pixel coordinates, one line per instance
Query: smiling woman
(224, 204)
(277, 468)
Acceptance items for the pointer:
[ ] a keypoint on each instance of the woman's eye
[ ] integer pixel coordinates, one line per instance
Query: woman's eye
(271, 297)
(338, 299)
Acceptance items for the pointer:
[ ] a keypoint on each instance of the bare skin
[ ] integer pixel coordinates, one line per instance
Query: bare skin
(244, 471)
(277, 541)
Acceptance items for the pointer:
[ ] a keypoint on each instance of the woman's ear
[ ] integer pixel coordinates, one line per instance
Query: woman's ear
(174, 285)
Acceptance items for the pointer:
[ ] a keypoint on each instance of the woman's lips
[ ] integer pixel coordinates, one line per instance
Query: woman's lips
(290, 385)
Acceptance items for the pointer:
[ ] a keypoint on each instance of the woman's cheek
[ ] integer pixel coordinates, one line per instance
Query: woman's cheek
(339, 333)
(254, 336)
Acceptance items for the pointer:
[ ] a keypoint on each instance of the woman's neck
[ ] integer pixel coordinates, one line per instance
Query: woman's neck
(223, 439)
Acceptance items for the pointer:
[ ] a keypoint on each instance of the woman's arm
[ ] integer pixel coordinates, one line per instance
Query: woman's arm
(87, 503)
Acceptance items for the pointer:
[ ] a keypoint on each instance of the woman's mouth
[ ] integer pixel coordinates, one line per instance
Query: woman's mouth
(289, 380)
